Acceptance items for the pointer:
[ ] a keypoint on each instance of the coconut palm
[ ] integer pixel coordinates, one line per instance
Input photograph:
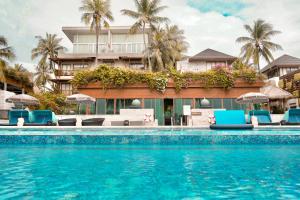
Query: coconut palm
(258, 44)
(176, 40)
(47, 48)
(6, 54)
(42, 75)
(166, 47)
(19, 68)
(146, 14)
(96, 13)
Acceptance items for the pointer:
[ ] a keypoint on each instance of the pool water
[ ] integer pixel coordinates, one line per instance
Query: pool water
(149, 172)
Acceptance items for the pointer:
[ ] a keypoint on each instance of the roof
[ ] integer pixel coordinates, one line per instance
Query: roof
(71, 31)
(212, 55)
(274, 92)
(285, 60)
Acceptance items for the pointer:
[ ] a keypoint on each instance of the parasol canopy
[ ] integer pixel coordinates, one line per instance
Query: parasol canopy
(80, 99)
(23, 100)
(252, 97)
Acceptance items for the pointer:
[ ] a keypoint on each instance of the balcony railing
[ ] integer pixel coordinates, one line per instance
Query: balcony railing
(105, 48)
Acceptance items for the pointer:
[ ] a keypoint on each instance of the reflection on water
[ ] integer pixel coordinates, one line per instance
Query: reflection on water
(150, 172)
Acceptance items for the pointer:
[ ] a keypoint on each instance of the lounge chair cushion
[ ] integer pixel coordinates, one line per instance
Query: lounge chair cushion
(15, 114)
(230, 117)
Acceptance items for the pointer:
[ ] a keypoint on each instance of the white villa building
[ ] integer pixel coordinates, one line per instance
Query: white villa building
(205, 60)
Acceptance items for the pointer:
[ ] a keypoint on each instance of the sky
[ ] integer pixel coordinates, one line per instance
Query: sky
(207, 23)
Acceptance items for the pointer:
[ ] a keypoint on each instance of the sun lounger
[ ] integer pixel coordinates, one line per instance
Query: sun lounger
(263, 117)
(41, 118)
(230, 119)
(93, 122)
(291, 117)
(14, 115)
(67, 122)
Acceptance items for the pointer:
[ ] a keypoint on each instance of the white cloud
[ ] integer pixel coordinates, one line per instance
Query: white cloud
(202, 30)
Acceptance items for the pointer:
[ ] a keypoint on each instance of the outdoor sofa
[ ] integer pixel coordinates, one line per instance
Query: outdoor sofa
(230, 119)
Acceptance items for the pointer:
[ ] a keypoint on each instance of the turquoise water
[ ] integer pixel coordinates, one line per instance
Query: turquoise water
(149, 172)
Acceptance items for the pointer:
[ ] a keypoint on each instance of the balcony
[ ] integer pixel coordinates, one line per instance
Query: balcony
(59, 72)
(86, 48)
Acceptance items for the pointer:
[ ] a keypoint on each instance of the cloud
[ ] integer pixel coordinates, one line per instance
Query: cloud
(207, 23)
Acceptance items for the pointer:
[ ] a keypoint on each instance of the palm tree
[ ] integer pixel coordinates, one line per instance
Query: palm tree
(42, 75)
(47, 48)
(166, 47)
(176, 39)
(146, 14)
(95, 14)
(258, 44)
(6, 54)
(19, 68)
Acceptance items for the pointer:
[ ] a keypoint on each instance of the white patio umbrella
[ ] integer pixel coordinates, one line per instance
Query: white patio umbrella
(23, 100)
(252, 98)
(80, 99)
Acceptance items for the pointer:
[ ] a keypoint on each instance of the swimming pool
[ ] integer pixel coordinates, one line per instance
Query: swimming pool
(30, 169)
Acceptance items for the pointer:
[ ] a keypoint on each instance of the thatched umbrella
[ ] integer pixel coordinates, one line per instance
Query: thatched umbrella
(273, 92)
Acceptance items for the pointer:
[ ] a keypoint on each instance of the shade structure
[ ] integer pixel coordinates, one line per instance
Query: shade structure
(273, 92)
(80, 99)
(3, 96)
(23, 100)
(252, 97)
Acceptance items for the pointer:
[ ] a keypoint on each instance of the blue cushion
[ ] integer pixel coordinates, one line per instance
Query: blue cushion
(226, 117)
(263, 116)
(294, 116)
(15, 114)
(41, 116)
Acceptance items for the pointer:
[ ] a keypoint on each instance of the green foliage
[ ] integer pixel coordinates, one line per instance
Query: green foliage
(296, 93)
(281, 84)
(297, 77)
(289, 85)
(21, 76)
(52, 101)
(111, 77)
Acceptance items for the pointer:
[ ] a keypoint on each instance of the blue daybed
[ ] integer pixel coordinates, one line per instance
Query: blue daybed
(230, 119)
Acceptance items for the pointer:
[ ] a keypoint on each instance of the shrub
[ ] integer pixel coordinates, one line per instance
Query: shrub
(297, 77)
(296, 93)
(289, 85)
(281, 84)
(111, 77)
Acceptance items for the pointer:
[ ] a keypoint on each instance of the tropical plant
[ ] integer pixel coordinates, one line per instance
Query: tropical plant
(258, 44)
(146, 14)
(52, 101)
(95, 14)
(20, 68)
(166, 47)
(42, 76)
(47, 48)
(6, 54)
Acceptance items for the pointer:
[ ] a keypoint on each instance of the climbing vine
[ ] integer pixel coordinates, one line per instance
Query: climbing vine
(111, 77)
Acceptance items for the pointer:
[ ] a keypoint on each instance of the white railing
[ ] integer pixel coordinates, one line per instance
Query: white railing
(104, 48)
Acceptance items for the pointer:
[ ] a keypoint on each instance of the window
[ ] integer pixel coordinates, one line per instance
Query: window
(66, 88)
(67, 69)
(80, 66)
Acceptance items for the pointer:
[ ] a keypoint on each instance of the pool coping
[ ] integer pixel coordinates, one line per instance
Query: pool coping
(135, 127)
